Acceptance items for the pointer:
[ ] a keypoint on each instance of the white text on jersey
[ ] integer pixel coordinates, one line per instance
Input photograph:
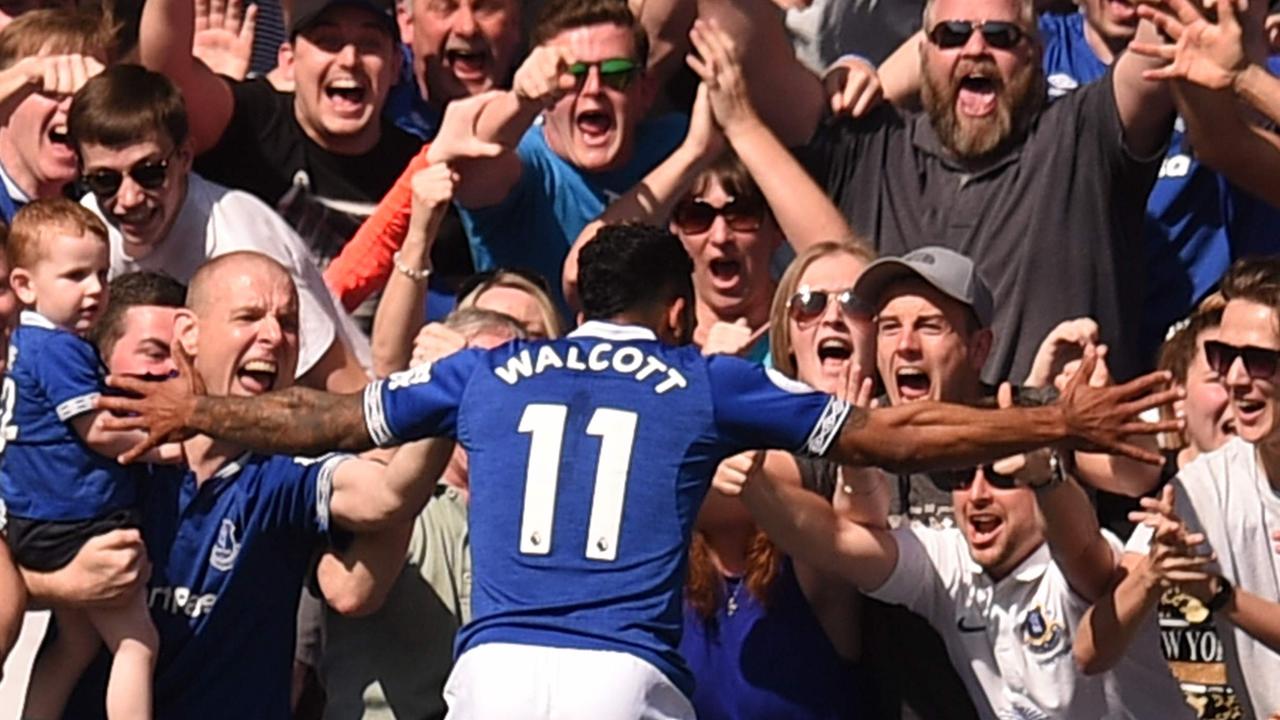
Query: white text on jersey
(626, 360)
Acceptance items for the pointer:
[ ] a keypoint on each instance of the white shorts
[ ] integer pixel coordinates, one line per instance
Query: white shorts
(503, 681)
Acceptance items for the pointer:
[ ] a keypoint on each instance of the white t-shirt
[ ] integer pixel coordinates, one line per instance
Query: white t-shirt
(1225, 495)
(215, 220)
(1011, 641)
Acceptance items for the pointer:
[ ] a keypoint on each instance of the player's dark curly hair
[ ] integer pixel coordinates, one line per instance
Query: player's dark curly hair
(631, 267)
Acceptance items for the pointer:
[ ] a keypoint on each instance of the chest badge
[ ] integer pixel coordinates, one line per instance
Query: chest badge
(226, 549)
(1042, 635)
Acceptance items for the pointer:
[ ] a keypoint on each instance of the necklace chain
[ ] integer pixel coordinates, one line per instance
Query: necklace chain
(731, 605)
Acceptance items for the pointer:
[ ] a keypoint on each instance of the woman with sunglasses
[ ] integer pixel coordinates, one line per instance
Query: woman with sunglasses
(748, 605)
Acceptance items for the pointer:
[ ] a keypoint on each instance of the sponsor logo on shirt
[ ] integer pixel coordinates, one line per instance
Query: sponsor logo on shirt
(413, 376)
(226, 549)
(181, 601)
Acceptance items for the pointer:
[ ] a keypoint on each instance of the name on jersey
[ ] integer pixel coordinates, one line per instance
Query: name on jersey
(625, 360)
(181, 601)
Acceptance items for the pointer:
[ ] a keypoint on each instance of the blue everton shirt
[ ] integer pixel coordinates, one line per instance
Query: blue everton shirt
(534, 226)
(589, 458)
(1197, 221)
(228, 559)
(48, 472)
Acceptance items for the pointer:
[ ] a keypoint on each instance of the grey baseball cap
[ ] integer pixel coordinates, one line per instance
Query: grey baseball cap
(951, 273)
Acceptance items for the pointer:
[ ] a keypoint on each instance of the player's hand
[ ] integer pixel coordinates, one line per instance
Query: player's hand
(1064, 343)
(457, 138)
(164, 410)
(735, 472)
(543, 78)
(223, 38)
(1202, 52)
(716, 63)
(853, 85)
(1099, 419)
(435, 341)
(733, 338)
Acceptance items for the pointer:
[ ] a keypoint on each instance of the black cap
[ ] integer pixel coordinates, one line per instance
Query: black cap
(306, 12)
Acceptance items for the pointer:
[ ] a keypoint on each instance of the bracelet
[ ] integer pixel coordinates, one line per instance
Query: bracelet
(414, 275)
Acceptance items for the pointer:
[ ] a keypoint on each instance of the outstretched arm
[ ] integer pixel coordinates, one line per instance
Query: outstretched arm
(369, 496)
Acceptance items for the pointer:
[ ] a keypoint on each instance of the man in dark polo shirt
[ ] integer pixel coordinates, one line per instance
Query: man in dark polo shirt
(321, 155)
(1048, 201)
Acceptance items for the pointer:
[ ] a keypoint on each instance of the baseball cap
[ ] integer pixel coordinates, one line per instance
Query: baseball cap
(951, 273)
(306, 12)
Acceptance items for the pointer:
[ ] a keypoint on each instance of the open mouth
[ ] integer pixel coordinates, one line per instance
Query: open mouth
(1247, 410)
(58, 135)
(345, 93)
(913, 383)
(834, 354)
(977, 96)
(594, 124)
(725, 270)
(983, 528)
(257, 376)
(466, 62)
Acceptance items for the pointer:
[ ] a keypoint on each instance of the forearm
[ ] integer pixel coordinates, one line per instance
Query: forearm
(900, 74)
(862, 496)
(1255, 615)
(803, 211)
(654, 199)
(166, 32)
(401, 310)
(371, 497)
(356, 582)
(1109, 627)
(1119, 475)
(1146, 108)
(1075, 540)
(1260, 89)
(1223, 140)
(918, 436)
(297, 421)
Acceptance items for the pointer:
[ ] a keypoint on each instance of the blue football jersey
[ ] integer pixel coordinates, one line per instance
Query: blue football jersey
(589, 457)
(48, 472)
(1197, 221)
(228, 558)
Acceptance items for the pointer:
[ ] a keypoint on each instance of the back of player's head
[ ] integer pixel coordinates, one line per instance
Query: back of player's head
(58, 31)
(127, 104)
(36, 223)
(557, 16)
(211, 278)
(135, 289)
(632, 267)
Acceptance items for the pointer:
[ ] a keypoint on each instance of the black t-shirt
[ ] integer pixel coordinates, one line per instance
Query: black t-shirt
(1054, 225)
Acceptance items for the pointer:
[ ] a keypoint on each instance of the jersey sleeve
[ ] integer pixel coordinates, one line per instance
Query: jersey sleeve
(757, 407)
(299, 491)
(420, 402)
(68, 372)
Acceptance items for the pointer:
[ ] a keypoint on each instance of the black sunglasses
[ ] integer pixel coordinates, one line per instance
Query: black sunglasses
(963, 479)
(1259, 363)
(999, 34)
(697, 216)
(809, 303)
(149, 174)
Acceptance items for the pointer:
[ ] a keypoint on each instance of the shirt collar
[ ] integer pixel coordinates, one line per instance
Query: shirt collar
(1031, 569)
(12, 188)
(604, 330)
(35, 319)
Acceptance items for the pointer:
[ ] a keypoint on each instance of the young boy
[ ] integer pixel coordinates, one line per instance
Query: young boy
(59, 479)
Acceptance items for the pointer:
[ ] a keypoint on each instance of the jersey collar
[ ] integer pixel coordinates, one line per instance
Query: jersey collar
(1030, 570)
(612, 331)
(35, 319)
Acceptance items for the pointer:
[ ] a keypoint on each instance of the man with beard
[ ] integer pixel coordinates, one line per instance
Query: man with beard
(1039, 197)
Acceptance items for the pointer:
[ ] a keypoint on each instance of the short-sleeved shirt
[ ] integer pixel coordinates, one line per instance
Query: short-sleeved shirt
(536, 223)
(48, 472)
(1197, 221)
(1227, 495)
(228, 558)
(215, 221)
(589, 457)
(1011, 639)
(1054, 224)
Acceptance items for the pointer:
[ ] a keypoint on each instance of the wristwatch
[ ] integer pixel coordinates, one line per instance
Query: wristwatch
(1223, 596)
(1057, 474)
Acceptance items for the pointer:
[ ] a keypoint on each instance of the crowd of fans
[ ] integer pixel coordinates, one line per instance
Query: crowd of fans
(978, 202)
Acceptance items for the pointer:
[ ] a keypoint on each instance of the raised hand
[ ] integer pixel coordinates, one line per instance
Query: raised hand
(434, 341)
(1100, 418)
(733, 338)
(433, 188)
(1175, 556)
(544, 77)
(735, 472)
(58, 76)
(1064, 343)
(1203, 52)
(223, 38)
(457, 138)
(717, 65)
(854, 86)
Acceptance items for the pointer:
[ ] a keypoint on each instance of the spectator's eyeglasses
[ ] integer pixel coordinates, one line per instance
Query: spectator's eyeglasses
(999, 34)
(1259, 363)
(696, 216)
(616, 73)
(808, 304)
(963, 479)
(149, 174)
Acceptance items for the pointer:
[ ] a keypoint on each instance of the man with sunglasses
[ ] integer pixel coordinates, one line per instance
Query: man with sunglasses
(1040, 196)
(1232, 497)
(130, 133)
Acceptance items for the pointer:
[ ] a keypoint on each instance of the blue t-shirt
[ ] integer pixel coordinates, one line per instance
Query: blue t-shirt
(49, 473)
(771, 661)
(589, 457)
(1197, 221)
(228, 560)
(534, 226)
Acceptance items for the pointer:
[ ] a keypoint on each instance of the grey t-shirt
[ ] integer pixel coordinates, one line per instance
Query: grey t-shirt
(1054, 224)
